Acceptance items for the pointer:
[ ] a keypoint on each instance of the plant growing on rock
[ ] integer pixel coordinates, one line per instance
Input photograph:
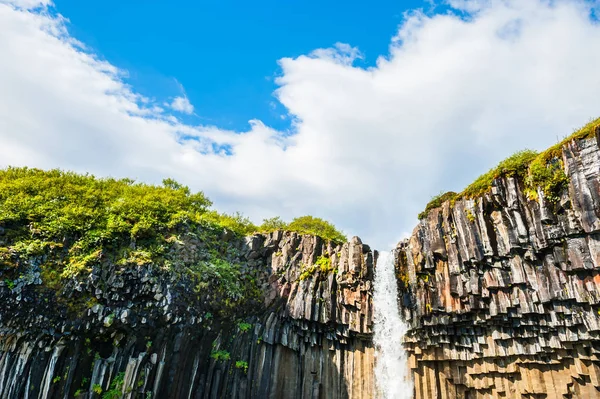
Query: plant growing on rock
(544, 170)
(437, 201)
(70, 224)
(316, 226)
(220, 355)
(272, 224)
(242, 365)
(324, 264)
(116, 387)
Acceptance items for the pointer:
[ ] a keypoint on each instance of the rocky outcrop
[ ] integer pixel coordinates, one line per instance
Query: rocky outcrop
(502, 292)
(139, 333)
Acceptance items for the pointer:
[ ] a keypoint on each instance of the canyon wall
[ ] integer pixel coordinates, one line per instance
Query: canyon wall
(502, 292)
(137, 336)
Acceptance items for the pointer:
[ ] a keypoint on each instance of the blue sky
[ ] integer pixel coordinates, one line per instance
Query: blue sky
(355, 113)
(224, 53)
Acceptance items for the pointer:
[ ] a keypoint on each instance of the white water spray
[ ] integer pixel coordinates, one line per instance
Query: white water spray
(391, 368)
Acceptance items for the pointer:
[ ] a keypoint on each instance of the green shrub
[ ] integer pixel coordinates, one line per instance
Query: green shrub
(272, 224)
(116, 387)
(304, 225)
(316, 226)
(307, 271)
(436, 202)
(240, 364)
(324, 264)
(221, 277)
(75, 222)
(236, 222)
(49, 209)
(549, 175)
(220, 355)
(470, 216)
(514, 166)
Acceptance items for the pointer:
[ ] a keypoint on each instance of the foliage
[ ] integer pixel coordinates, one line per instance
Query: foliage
(244, 326)
(322, 264)
(316, 226)
(402, 270)
(73, 223)
(307, 271)
(236, 222)
(514, 166)
(272, 224)
(470, 216)
(116, 387)
(549, 175)
(240, 364)
(70, 225)
(304, 225)
(50, 210)
(220, 355)
(97, 388)
(219, 276)
(544, 170)
(436, 202)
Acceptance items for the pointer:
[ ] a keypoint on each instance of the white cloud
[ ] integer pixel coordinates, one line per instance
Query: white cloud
(453, 97)
(183, 105)
(27, 4)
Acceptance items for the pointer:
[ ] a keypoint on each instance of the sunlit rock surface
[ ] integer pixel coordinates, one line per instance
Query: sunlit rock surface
(503, 292)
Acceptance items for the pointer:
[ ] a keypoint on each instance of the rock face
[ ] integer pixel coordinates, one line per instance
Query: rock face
(502, 292)
(140, 338)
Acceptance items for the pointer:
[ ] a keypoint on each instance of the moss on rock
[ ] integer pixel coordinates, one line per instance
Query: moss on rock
(544, 170)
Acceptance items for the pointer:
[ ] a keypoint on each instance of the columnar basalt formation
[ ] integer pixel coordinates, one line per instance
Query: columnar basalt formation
(141, 338)
(502, 292)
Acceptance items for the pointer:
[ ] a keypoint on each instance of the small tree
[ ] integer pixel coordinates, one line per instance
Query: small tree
(272, 224)
(312, 225)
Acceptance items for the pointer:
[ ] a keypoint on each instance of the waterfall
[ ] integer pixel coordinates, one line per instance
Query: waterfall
(391, 367)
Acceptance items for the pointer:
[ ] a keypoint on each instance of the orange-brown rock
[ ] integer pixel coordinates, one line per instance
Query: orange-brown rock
(503, 293)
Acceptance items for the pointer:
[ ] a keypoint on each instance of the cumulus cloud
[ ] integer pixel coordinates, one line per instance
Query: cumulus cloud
(369, 146)
(183, 105)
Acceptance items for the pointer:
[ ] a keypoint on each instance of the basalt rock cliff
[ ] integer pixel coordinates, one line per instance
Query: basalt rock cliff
(142, 338)
(501, 292)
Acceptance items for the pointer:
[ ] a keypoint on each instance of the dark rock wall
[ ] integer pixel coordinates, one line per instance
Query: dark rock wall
(142, 339)
(502, 292)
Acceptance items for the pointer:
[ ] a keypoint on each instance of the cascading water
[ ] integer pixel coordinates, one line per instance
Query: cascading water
(391, 368)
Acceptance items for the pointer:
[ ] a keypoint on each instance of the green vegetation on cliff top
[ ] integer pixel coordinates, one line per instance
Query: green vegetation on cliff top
(56, 204)
(544, 170)
(73, 222)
